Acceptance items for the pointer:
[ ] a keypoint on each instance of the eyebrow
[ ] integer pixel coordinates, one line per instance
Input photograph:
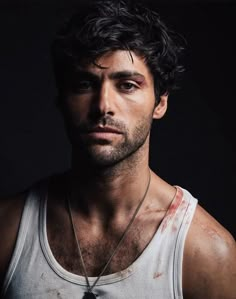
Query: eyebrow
(86, 74)
(115, 75)
(125, 74)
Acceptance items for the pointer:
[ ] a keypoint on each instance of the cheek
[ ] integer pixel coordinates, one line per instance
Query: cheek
(139, 112)
(77, 107)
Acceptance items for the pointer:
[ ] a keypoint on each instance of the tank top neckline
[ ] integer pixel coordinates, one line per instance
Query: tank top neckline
(109, 278)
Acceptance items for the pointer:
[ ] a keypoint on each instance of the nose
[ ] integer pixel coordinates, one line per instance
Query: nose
(104, 101)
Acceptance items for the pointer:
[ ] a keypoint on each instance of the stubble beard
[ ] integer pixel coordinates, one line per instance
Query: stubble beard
(104, 154)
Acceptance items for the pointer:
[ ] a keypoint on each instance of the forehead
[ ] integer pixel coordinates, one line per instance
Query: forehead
(118, 61)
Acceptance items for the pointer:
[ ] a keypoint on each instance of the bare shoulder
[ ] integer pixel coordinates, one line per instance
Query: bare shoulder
(209, 266)
(10, 214)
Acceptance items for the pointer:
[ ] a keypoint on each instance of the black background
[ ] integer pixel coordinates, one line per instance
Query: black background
(192, 146)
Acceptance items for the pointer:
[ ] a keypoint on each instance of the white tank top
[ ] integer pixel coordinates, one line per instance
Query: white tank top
(34, 273)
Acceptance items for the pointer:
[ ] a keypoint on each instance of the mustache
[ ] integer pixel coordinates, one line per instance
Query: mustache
(104, 121)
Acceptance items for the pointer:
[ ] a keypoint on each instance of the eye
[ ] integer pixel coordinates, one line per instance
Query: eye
(83, 85)
(128, 86)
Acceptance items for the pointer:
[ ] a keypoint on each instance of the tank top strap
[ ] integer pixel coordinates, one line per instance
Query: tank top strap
(172, 235)
(184, 224)
(29, 219)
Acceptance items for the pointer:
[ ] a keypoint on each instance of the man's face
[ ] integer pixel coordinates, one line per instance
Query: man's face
(109, 109)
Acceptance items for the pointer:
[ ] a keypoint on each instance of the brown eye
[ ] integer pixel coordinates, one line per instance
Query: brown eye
(127, 86)
(84, 85)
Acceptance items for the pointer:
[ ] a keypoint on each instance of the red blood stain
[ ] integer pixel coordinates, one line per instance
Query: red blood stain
(174, 228)
(157, 274)
(176, 220)
(173, 207)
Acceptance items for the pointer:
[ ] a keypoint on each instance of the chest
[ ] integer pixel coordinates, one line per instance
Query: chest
(96, 251)
(99, 245)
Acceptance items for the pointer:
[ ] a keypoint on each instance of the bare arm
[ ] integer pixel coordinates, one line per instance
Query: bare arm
(10, 215)
(209, 267)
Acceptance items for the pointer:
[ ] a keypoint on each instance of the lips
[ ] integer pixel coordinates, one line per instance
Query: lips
(102, 133)
(99, 129)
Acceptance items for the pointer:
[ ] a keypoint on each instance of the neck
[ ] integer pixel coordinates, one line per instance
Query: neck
(108, 190)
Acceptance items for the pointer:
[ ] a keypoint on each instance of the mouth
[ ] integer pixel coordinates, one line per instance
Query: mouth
(100, 129)
(100, 132)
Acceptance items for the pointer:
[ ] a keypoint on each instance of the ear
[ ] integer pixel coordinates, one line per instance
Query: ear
(161, 108)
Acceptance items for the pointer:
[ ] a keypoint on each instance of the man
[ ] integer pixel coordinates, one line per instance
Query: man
(110, 227)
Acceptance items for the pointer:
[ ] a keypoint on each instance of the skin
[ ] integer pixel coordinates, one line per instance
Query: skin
(108, 178)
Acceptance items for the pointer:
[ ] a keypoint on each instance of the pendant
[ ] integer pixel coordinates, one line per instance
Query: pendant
(89, 295)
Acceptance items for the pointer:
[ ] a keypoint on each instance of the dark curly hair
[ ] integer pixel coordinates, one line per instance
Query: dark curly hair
(108, 25)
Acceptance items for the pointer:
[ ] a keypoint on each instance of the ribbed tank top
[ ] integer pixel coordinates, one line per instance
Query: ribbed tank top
(34, 273)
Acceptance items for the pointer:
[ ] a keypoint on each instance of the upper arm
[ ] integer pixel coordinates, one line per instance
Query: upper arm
(10, 215)
(209, 265)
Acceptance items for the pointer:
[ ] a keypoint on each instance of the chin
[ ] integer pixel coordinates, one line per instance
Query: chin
(105, 158)
(106, 154)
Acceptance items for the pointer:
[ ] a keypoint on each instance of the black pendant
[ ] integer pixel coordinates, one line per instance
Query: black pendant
(89, 295)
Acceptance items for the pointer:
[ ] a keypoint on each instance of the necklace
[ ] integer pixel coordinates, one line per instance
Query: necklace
(89, 294)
